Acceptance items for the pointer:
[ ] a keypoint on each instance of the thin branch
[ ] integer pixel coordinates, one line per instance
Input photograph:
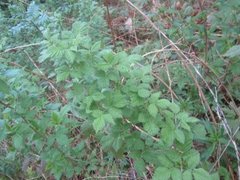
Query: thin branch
(142, 131)
(181, 54)
(50, 83)
(22, 46)
(223, 151)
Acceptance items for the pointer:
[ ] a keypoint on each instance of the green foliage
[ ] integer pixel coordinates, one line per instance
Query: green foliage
(72, 107)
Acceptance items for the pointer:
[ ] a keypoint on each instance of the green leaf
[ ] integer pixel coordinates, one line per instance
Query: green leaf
(163, 103)
(187, 175)
(200, 174)
(139, 165)
(162, 173)
(135, 144)
(182, 116)
(116, 113)
(99, 123)
(199, 132)
(117, 143)
(98, 96)
(192, 158)
(176, 174)
(119, 100)
(215, 176)
(165, 161)
(151, 128)
(55, 118)
(18, 141)
(4, 88)
(96, 46)
(233, 51)
(154, 97)
(174, 108)
(70, 56)
(168, 135)
(108, 118)
(192, 120)
(153, 110)
(79, 28)
(135, 58)
(144, 93)
(62, 140)
(180, 136)
(3, 131)
(184, 125)
(61, 76)
(2, 123)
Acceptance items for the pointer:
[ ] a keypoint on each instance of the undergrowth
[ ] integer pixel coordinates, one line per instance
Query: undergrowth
(119, 89)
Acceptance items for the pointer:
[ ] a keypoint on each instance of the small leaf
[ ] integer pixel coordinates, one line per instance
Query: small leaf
(174, 108)
(151, 128)
(180, 136)
(165, 161)
(18, 141)
(96, 46)
(192, 158)
(162, 173)
(184, 125)
(192, 120)
(142, 117)
(144, 93)
(176, 174)
(154, 97)
(62, 140)
(55, 118)
(116, 113)
(98, 96)
(62, 76)
(117, 143)
(70, 56)
(139, 165)
(215, 176)
(168, 135)
(153, 110)
(183, 116)
(163, 103)
(135, 58)
(4, 87)
(119, 100)
(199, 131)
(233, 51)
(187, 175)
(2, 122)
(200, 174)
(108, 118)
(98, 124)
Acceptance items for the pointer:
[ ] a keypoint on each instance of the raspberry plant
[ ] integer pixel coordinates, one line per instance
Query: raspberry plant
(72, 107)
